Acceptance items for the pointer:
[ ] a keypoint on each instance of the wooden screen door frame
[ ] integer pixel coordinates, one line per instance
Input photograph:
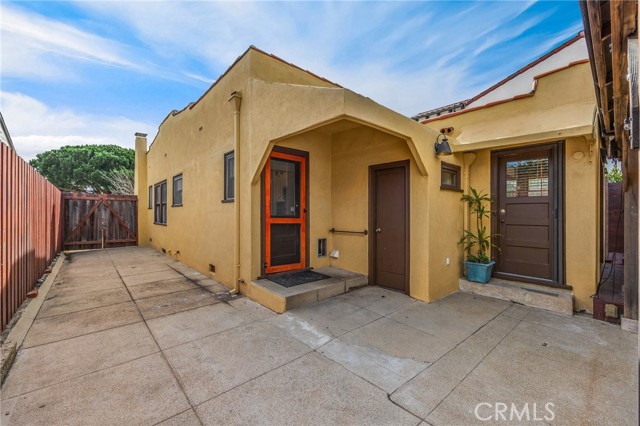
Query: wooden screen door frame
(557, 199)
(302, 158)
(373, 219)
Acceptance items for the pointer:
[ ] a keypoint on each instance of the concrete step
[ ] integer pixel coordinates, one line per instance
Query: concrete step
(537, 296)
(280, 299)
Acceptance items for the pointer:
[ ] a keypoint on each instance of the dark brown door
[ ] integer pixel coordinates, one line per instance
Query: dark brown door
(389, 223)
(527, 213)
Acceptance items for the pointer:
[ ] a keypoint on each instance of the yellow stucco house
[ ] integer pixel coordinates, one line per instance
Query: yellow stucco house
(262, 173)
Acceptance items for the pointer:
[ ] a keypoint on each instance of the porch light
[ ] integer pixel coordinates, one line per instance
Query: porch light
(442, 148)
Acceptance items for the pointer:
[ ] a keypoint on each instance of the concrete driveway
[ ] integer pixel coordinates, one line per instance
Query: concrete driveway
(129, 336)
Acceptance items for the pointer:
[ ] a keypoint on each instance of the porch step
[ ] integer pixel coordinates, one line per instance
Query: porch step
(280, 299)
(537, 296)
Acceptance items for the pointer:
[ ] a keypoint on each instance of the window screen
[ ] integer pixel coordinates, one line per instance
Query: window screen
(528, 178)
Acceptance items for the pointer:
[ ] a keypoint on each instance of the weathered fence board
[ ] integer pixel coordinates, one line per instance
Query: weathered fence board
(30, 226)
(615, 215)
(99, 220)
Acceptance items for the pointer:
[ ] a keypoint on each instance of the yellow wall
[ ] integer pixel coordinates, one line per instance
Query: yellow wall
(344, 134)
(561, 109)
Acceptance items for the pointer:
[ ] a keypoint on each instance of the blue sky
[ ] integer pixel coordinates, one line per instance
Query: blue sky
(96, 72)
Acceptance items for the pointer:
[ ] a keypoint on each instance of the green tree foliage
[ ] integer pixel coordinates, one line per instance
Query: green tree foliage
(615, 174)
(84, 167)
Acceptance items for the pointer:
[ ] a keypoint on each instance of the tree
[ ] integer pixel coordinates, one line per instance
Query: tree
(615, 174)
(84, 167)
(121, 181)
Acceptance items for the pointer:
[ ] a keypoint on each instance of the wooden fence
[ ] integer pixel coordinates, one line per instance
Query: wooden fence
(31, 228)
(99, 220)
(615, 220)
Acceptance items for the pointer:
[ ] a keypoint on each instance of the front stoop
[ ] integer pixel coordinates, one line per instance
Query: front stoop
(280, 299)
(536, 296)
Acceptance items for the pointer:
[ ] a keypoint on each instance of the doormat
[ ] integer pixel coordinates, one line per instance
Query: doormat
(297, 278)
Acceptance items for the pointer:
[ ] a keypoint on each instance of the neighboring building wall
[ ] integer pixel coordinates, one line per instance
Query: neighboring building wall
(562, 108)
(523, 82)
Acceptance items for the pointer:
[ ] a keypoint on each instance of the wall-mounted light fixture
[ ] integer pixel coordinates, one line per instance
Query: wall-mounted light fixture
(442, 147)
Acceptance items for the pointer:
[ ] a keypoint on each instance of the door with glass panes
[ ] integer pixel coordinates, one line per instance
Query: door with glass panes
(527, 213)
(285, 207)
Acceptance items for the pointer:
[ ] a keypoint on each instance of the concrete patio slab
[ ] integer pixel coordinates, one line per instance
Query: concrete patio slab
(158, 306)
(84, 286)
(186, 418)
(454, 317)
(150, 277)
(65, 326)
(371, 356)
(159, 288)
(57, 305)
(399, 340)
(252, 311)
(309, 333)
(239, 353)
(47, 365)
(184, 327)
(143, 389)
(335, 317)
(427, 390)
(377, 299)
(145, 268)
(373, 364)
(333, 397)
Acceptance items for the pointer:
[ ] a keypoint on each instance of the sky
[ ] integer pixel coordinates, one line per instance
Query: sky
(96, 72)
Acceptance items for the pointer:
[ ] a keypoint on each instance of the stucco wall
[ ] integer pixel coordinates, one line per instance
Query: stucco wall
(193, 142)
(561, 108)
(582, 214)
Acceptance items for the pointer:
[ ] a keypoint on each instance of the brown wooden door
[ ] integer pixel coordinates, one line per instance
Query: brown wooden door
(389, 223)
(285, 210)
(527, 213)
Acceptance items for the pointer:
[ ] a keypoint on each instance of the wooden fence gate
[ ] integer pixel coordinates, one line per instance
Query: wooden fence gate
(99, 220)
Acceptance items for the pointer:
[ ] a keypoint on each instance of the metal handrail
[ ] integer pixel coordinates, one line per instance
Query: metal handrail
(337, 231)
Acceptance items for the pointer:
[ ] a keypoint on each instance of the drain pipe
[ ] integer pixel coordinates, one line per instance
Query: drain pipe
(236, 97)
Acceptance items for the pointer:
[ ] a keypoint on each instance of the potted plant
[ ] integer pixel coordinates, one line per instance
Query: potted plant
(479, 265)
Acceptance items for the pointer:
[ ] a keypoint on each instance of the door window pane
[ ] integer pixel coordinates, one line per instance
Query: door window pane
(285, 244)
(285, 188)
(528, 178)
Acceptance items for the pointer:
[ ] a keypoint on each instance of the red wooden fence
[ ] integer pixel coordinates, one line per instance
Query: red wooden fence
(30, 227)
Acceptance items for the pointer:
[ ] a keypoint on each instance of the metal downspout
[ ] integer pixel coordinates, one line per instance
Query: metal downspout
(236, 97)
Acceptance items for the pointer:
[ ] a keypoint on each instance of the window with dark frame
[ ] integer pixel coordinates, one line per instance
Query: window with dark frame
(160, 211)
(450, 177)
(150, 205)
(229, 176)
(177, 191)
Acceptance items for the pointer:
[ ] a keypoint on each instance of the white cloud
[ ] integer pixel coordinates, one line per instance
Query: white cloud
(35, 45)
(36, 127)
(408, 56)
